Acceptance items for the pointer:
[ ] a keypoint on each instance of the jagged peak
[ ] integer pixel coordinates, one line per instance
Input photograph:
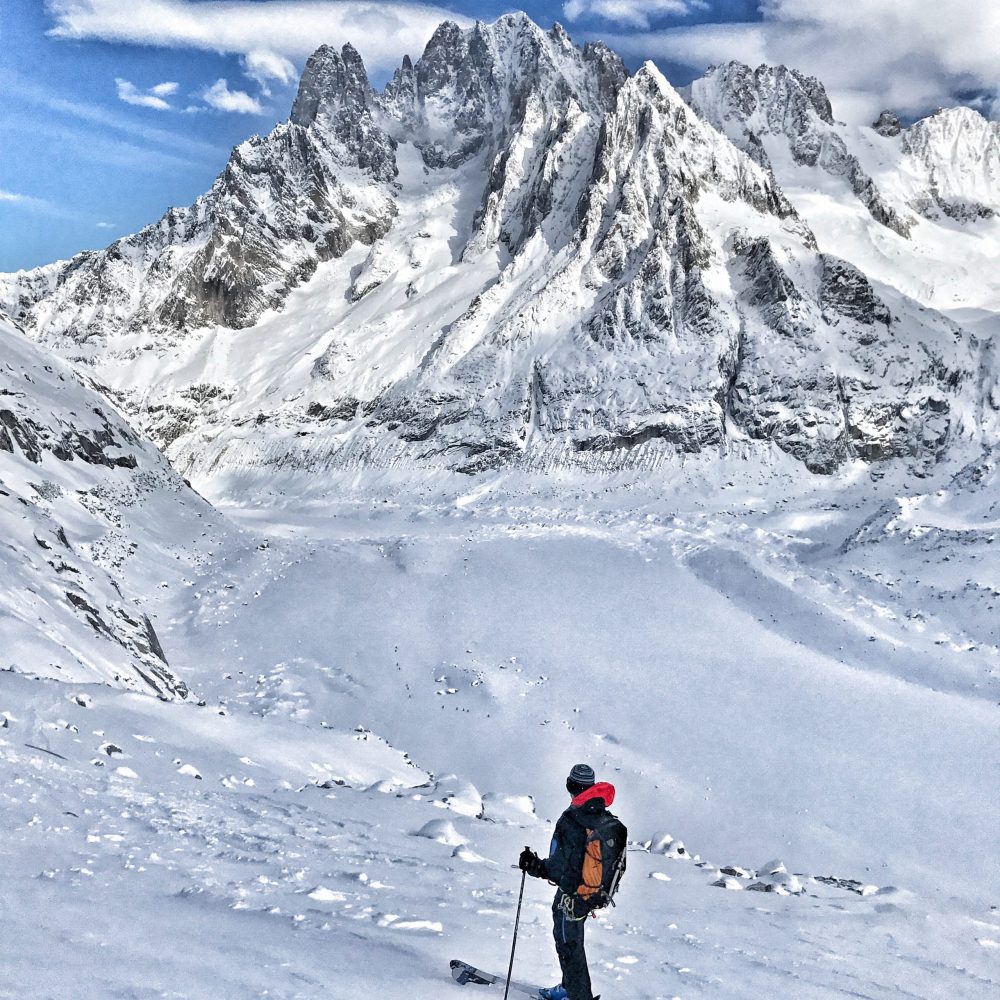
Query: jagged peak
(747, 89)
(648, 86)
(728, 67)
(516, 20)
(649, 77)
(331, 80)
(446, 35)
(560, 34)
(948, 127)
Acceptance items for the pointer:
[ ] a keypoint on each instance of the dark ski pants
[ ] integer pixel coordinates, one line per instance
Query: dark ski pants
(572, 958)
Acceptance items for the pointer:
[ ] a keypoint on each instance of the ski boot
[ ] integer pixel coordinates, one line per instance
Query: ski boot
(552, 992)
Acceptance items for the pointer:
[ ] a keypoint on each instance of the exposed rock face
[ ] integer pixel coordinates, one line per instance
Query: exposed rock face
(63, 452)
(334, 95)
(575, 366)
(845, 291)
(750, 105)
(887, 124)
(826, 376)
(528, 258)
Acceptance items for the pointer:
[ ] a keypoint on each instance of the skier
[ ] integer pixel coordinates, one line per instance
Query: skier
(571, 867)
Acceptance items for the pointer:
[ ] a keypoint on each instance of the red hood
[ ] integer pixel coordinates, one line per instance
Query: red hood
(602, 790)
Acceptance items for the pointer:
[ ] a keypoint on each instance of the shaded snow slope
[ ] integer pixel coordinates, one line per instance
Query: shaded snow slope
(517, 255)
(728, 650)
(81, 495)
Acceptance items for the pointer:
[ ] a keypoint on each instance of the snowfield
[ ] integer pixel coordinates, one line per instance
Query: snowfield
(396, 676)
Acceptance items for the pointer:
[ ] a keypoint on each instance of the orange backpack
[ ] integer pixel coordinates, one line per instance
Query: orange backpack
(603, 862)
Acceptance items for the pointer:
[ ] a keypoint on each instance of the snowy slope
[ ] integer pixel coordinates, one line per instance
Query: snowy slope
(706, 643)
(515, 255)
(81, 495)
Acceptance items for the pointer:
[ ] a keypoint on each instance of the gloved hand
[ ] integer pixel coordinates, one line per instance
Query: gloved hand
(530, 862)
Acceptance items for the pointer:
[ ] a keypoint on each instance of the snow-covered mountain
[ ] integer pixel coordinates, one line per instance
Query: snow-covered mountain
(748, 105)
(917, 208)
(81, 496)
(516, 254)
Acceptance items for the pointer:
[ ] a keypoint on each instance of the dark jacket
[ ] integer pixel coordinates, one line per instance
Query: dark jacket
(564, 865)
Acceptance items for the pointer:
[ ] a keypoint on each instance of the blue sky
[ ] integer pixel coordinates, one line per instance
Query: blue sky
(114, 110)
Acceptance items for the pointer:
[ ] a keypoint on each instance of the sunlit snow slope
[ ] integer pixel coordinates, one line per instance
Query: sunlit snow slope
(915, 208)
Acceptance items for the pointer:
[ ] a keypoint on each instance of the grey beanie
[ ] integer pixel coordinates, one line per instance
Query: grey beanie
(582, 774)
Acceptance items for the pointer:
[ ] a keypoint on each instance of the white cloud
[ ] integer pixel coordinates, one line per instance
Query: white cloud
(700, 45)
(221, 97)
(293, 29)
(31, 204)
(263, 66)
(907, 55)
(105, 225)
(12, 198)
(633, 13)
(152, 98)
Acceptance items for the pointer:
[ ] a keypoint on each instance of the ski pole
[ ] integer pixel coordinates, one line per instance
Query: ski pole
(517, 920)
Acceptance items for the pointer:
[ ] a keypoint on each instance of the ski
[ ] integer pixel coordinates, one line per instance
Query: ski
(464, 973)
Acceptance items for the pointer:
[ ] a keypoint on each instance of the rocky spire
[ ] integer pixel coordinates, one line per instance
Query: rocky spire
(887, 124)
(335, 94)
(332, 81)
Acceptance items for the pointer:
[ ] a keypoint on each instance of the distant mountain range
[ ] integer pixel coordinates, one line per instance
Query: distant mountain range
(517, 254)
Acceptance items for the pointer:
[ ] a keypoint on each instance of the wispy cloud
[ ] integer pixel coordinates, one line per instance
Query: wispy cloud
(23, 201)
(219, 96)
(104, 149)
(632, 13)
(293, 29)
(152, 98)
(698, 45)
(37, 206)
(105, 225)
(183, 147)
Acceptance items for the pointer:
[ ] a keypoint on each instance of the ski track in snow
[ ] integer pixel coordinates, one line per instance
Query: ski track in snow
(715, 651)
